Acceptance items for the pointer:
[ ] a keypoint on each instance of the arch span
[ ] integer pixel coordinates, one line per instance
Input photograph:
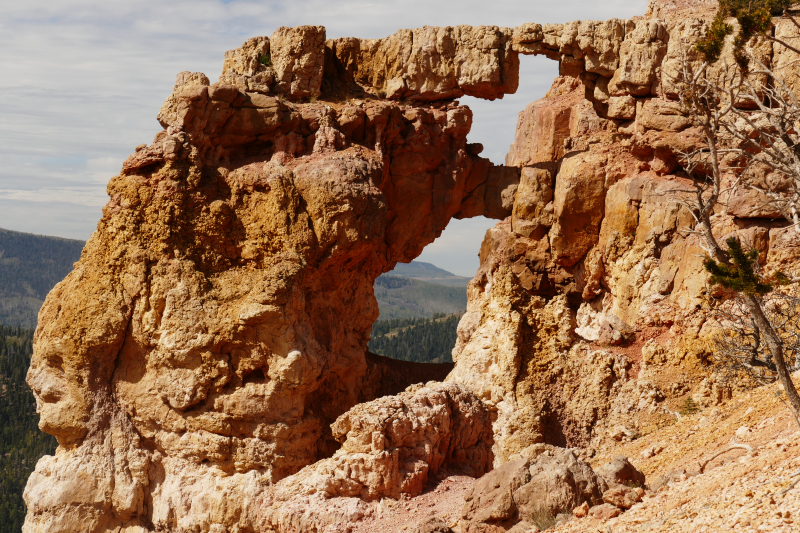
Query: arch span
(216, 324)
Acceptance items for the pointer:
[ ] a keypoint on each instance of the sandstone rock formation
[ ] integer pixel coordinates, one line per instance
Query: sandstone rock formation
(390, 447)
(543, 482)
(620, 471)
(205, 365)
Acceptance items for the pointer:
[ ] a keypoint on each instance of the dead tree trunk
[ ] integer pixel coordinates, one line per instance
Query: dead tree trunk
(775, 345)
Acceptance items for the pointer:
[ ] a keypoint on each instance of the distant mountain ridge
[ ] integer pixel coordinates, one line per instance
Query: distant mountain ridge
(429, 273)
(30, 266)
(416, 269)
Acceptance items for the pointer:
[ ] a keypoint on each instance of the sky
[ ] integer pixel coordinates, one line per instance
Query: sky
(81, 83)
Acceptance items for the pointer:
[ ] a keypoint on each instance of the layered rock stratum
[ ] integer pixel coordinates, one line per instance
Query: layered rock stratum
(205, 366)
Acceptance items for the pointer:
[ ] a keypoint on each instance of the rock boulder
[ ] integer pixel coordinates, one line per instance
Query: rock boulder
(543, 482)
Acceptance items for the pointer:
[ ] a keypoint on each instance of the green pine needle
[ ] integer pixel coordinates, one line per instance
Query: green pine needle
(754, 18)
(741, 275)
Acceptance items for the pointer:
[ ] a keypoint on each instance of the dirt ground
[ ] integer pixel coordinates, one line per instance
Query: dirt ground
(443, 500)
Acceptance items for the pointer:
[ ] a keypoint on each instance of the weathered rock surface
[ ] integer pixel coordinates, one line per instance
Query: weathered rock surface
(434, 525)
(543, 482)
(205, 365)
(620, 471)
(390, 446)
(387, 377)
(623, 497)
(604, 511)
(220, 313)
(432, 63)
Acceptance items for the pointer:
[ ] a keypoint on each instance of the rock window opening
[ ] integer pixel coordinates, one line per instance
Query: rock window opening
(422, 302)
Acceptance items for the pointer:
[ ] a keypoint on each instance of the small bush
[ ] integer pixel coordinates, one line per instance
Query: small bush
(266, 60)
(543, 519)
(689, 407)
(633, 484)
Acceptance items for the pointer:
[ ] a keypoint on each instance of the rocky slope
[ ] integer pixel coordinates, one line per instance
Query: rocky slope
(698, 482)
(739, 490)
(205, 366)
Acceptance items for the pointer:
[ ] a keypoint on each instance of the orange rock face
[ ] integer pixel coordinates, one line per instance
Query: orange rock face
(219, 316)
(205, 365)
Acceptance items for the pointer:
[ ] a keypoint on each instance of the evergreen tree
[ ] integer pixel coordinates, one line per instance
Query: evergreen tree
(420, 340)
(740, 275)
(21, 441)
(733, 143)
(754, 18)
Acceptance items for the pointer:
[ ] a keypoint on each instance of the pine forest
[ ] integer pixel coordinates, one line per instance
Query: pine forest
(21, 441)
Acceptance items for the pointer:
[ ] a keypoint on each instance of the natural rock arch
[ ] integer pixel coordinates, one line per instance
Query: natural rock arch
(216, 325)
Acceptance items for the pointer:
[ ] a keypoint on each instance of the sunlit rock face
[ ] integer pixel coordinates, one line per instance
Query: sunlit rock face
(598, 249)
(205, 365)
(216, 324)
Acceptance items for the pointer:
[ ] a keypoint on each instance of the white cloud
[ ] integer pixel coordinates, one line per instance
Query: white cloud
(84, 196)
(83, 81)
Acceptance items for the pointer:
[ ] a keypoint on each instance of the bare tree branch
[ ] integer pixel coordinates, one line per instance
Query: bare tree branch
(747, 125)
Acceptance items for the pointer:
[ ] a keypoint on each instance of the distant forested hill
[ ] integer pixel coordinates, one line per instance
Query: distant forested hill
(410, 298)
(420, 306)
(21, 442)
(421, 340)
(31, 265)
